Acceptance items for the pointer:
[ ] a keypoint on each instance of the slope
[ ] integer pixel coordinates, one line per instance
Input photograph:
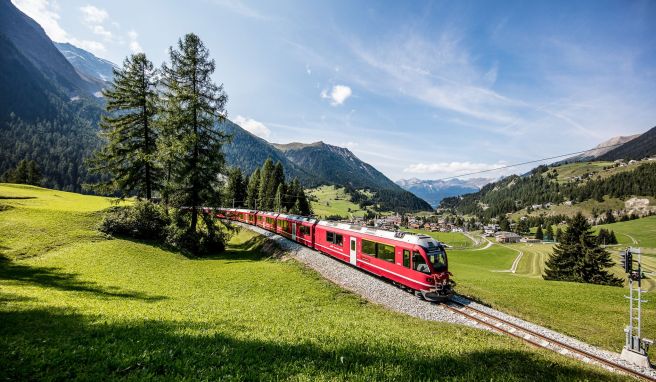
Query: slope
(141, 312)
(339, 166)
(93, 69)
(638, 148)
(31, 40)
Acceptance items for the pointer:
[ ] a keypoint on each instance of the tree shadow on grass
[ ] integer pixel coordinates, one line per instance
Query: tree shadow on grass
(50, 277)
(56, 344)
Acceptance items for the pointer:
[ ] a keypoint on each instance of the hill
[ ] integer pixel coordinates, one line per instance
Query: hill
(638, 148)
(601, 149)
(93, 69)
(433, 191)
(139, 311)
(547, 186)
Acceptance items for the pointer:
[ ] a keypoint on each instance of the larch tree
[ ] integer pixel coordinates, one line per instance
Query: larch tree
(194, 105)
(236, 188)
(129, 127)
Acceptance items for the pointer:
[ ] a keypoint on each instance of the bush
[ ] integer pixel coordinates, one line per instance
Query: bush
(207, 238)
(143, 220)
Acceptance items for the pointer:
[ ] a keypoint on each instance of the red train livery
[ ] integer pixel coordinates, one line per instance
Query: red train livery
(416, 262)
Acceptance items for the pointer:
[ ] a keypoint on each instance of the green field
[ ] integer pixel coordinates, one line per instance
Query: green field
(333, 201)
(75, 305)
(563, 306)
(643, 231)
(453, 239)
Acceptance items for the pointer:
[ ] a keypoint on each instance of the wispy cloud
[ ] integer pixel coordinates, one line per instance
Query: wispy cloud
(135, 47)
(241, 9)
(254, 127)
(94, 15)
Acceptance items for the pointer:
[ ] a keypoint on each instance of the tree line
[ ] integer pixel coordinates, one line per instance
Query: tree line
(266, 189)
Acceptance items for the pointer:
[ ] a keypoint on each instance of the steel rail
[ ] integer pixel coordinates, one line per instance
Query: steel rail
(554, 342)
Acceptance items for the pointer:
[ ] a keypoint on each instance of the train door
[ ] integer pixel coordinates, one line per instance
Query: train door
(294, 231)
(354, 252)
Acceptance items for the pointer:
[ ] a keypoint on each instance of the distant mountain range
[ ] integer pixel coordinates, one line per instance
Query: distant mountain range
(50, 108)
(601, 149)
(641, 147)
(433, 191)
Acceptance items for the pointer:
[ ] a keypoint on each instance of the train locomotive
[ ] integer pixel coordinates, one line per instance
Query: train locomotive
(417, 263)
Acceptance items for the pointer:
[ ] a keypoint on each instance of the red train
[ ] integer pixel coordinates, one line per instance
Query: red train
(416, 262)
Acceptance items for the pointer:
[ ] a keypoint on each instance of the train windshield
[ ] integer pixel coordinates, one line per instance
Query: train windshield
(437, 257)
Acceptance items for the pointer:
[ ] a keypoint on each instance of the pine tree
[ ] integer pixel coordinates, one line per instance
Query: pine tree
(577, 257)
(194, 104)
(559, 234)
(33, 174)
(610, 218)
(253, 190)
(236, 188)
(278, 205)
(130, 154)
(612, 239)
(539, 234)
(549, 234)
(264, 201)
(303, 203)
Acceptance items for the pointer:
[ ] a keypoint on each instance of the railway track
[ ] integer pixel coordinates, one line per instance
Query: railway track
(506, 327)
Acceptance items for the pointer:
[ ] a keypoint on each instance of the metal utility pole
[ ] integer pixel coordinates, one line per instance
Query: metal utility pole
(635, 348)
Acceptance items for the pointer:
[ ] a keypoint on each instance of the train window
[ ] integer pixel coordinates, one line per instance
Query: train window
(369, 247)
(385, 252)
(330, 237)
(339, 240)
(419, 264)
(304, 230)
(352, 245)
(406, 258)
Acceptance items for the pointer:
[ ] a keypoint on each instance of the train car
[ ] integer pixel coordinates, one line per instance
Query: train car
(417, 262)
(245, 216)
(267, 220)
(297, 228)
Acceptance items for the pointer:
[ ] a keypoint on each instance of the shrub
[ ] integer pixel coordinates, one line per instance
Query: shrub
(143, 220)
(207, 238)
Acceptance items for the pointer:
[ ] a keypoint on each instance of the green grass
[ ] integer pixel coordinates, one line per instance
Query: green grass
(333, 201)
(97, 309)
(454, 239)
(642, 230)
(593, 313)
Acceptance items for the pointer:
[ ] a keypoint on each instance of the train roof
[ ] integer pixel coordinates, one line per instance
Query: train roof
(298, 218)
(418, 239)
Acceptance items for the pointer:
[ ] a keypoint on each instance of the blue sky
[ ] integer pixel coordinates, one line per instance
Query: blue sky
(417, 89)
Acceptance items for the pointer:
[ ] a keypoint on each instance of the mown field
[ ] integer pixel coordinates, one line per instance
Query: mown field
(593, 313)
(75, 305)
(636, 233)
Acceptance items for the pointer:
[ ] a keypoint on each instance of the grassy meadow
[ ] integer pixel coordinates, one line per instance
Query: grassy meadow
(333, 201)
(454, 239)
(75, 305)
(593, 313)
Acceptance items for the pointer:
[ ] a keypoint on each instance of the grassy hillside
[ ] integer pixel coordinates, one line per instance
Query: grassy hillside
(331, 200)
(454, 239)
(74, 305)
(637, 233)
(563, 306)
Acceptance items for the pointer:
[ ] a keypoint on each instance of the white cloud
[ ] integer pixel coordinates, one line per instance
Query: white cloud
(254, 127)
(451, 167)
(94, 15)
(135, 47)
(46, 13)
(337, 95)
(101, 31)
(240, 8)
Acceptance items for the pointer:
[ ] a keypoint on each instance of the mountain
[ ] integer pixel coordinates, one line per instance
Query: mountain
(249, 152)
(433, 191)
(91, 68)
(31, 41)
(641, 147)
(600, 149)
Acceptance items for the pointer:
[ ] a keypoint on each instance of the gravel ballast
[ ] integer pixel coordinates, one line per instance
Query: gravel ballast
(383, 293)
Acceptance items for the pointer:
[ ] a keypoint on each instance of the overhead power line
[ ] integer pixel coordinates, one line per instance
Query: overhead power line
(529, 162)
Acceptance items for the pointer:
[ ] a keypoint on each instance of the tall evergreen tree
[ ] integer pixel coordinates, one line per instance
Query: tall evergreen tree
(549, 234)
(278, 202)
(559, 234)
(236, 188)
(130, 154)
(194, 104)
(265, 196)
(253, 190)
(26, 172)
(579, 258)
(539, 234)
(610, 218)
